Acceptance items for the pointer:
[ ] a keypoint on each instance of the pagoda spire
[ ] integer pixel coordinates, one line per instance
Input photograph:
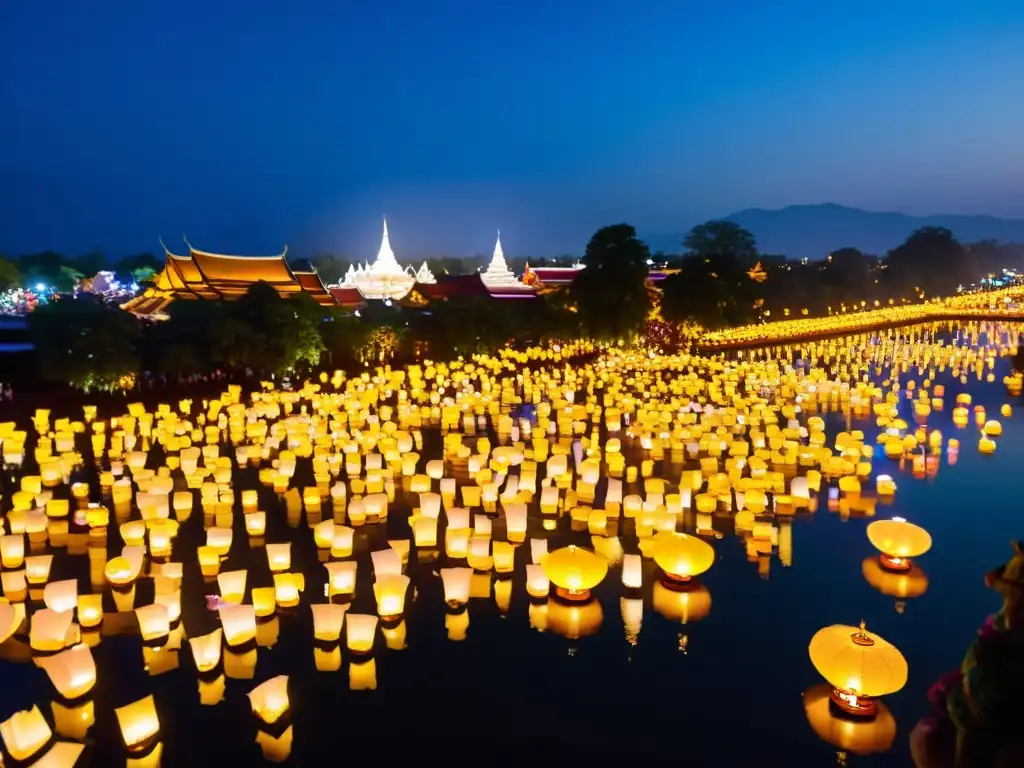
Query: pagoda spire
(498, 263)
(386, 261)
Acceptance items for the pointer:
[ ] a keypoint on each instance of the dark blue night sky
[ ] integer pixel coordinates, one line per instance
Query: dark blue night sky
(250, 124)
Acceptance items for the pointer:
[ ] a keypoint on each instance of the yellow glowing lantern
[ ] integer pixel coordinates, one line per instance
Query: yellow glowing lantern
(390, 593)
(206, 650)
(538, 585)
(479, 553)
(269, 699)
(574, 571)
(323, 534)
(50, 630)
(279, 557)
(681, 556)
(632, 571)
(12, 550)
(90, 610)
(456, 583)
(239, 624)
(37, 568)
(232, 585)
(341, 578)
(342, 541)
(288, 588)
(360, 631)
(25, 733)
(264, 601)
(154, 621)
(859, 665)
(424, 531)
(327, 621)
(72, 671)
(898, 542)
(139, 724)
(885, 486)
(504, 556)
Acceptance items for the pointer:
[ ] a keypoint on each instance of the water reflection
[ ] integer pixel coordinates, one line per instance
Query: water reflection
(350, 523)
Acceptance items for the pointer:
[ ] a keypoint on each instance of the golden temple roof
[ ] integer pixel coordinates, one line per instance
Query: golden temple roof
(208, 275)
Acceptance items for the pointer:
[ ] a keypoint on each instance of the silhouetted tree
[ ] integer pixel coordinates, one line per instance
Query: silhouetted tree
(714, 286)
(85, 343)
(931, 261)
(10, 275)
(330, 267)
(721, 238)
(610, 294)
(137, 266)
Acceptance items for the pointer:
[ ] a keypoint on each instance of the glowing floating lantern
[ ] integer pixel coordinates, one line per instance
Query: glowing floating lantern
(154, 622)
(12, 550)
(360, 631)
(206, 650)
(538, 585)
(140, 726)
(49, 630)
(632, 571)
(390, 593)
(885, 486)
(239, 624)
(456, 583)
(90, 611)
(72, 671)
(269, 700)
(341, 578)
(328, 619)
(859, 665)
(25, 734)
(898, 542)
(574, 572)
(682, 557)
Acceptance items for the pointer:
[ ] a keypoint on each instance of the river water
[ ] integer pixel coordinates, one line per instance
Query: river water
(725, 689)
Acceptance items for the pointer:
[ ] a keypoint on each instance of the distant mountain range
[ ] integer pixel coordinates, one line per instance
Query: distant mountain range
(812, 231)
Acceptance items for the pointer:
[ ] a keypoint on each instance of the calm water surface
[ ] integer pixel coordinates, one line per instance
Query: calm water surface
(721, 691)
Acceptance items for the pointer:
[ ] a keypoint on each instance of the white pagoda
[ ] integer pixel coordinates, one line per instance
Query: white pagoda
(499, 279)
(384, 279)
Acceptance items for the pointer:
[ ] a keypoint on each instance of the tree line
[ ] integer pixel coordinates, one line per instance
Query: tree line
(60, 273)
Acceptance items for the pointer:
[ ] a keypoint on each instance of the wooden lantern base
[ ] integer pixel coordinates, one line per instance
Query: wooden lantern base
(895, 564)
(573, 596)
(861, 707)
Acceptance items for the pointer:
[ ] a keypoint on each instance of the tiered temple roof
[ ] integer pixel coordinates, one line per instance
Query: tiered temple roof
(206, 275)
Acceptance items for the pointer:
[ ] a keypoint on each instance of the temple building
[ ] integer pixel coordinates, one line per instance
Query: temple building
(206, 275)
(383, 280)
(545, 279)
(499, 280)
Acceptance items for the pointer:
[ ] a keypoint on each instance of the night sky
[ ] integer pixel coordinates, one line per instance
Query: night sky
(248, 124)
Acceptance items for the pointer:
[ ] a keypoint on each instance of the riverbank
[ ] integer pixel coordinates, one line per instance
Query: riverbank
(781, 334)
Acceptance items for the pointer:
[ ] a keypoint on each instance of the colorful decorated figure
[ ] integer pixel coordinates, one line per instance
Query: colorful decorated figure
(977, 717)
